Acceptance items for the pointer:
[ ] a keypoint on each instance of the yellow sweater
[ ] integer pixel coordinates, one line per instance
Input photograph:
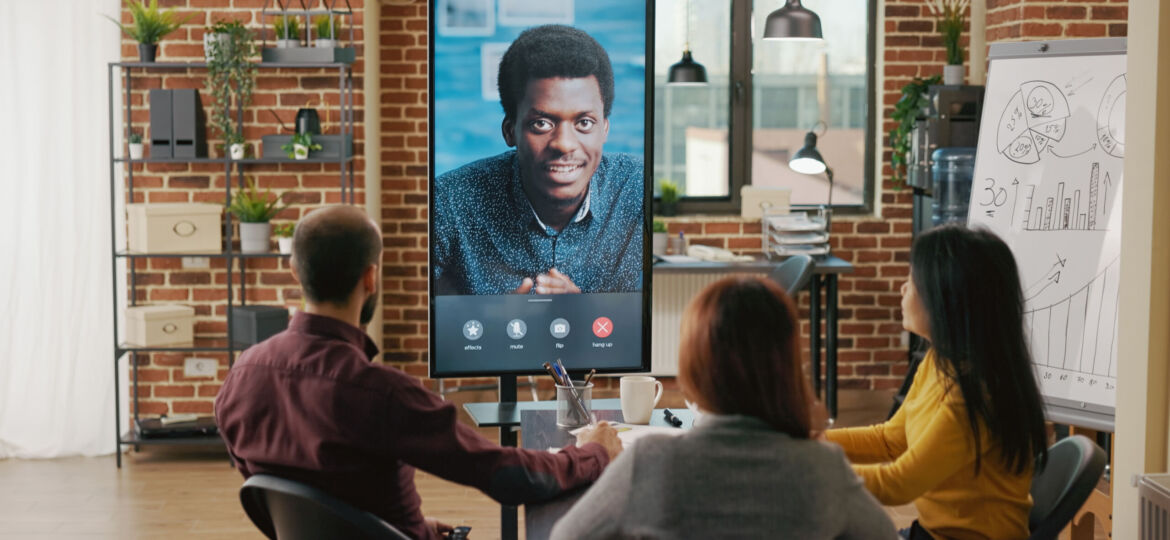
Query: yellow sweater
(926, 454)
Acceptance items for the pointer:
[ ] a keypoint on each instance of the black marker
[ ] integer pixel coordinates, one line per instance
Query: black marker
(672, 419)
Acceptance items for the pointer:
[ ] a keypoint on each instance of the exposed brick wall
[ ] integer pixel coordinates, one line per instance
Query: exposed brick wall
(163, 388)
(1023, 20)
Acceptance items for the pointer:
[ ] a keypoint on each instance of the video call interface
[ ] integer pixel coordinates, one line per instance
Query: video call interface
(539, 200)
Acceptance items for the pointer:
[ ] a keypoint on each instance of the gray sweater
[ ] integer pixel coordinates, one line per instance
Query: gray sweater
(730, 477)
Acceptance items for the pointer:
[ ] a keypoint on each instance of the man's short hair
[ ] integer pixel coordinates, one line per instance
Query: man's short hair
(331, 249)
(552, 51)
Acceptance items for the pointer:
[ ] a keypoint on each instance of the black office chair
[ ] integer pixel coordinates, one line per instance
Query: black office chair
(287, 510)
(793, 274)
(1075, 466)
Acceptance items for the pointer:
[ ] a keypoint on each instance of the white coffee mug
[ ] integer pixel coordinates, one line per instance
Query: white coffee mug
(639, 398)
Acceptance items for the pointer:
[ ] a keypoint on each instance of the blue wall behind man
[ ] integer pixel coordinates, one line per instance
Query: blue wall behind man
(467, 127)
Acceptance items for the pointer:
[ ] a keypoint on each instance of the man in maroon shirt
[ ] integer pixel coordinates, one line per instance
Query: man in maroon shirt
(308, 404)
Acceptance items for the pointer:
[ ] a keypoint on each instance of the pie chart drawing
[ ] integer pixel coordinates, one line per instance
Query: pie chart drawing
(1111, 118)
(1036, 116)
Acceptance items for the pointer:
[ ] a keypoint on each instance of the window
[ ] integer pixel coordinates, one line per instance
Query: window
(763, 96)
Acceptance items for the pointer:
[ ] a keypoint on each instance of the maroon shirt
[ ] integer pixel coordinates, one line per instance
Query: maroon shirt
(309, 405)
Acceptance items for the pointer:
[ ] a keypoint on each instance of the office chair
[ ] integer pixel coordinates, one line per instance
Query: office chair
(793, 274)
(287, 510)
(1075, 465)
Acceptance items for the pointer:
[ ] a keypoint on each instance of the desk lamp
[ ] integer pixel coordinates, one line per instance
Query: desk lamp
(793, 22)
(808, 160)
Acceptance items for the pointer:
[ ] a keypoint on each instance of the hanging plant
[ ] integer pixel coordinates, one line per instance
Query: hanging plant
(913, 100)
(231, 77)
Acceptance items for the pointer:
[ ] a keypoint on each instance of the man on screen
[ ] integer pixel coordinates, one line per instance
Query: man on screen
(555, 215)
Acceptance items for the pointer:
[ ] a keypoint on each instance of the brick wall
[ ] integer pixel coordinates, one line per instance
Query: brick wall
(164, 389)
(1023, 20)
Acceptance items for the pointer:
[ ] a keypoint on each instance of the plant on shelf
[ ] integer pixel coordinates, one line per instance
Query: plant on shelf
(914, 99)
(668, 195)
(231, 78)
(659, 245)
(235, 143)
(149, 25)
(284, 233)
(950, 15)
(288, 31)
(328, 28)
(299, 146)
(255, 209)
(221, 31)
(135, 141)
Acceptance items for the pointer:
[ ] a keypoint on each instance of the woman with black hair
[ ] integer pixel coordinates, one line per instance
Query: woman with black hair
(963, 444)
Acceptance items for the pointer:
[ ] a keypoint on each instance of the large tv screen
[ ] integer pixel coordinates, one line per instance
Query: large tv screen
(540, 114)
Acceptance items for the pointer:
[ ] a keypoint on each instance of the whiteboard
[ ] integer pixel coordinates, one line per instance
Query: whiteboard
(1048, 180)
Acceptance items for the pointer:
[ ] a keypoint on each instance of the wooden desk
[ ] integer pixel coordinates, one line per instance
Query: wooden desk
(539, 431)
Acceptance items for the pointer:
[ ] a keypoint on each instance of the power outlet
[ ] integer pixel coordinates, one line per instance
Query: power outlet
(196, 263)
(200, 367)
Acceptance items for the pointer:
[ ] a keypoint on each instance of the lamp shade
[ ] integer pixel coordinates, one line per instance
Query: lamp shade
(687, 71)
(793, 22)
(808, 160)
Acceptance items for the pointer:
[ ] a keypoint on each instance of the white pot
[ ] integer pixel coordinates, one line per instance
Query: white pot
(237, 150)
(224, 40)
(288, 43)
(285, 243)
(660, 243)
(953, 74)
(325, 43)
(135, 150)
(300, 151)
(254, 237)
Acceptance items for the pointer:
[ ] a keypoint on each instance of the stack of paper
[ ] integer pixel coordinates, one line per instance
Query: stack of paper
(794, 234)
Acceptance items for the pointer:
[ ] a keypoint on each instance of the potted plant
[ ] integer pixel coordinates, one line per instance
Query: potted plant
(659, 237)
(135, 145)
(235, 143)
(284, 234)
(950, 15)
(668, 195)
(328, 28)
(149, 25)
(299, 146)
(906, 111)
(254, 210)
(288, 32)
(231, 77)
(220, 32)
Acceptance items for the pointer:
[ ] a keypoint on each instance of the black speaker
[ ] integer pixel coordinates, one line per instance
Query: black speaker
(188, 124)
(161, 132)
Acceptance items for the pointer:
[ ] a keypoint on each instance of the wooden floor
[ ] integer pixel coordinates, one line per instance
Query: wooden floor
(180, 493)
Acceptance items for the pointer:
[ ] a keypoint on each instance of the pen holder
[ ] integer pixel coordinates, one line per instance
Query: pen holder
(574, 404)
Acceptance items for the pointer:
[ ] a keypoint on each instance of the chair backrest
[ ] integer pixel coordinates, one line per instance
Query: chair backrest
(287, 510)
(1075, 465)
(793, 274)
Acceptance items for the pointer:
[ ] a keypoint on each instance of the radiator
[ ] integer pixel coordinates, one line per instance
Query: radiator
(1154, 515)
(672, 292)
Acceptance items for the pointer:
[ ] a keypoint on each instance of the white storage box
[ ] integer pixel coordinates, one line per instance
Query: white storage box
(150, 326)
(175, 228)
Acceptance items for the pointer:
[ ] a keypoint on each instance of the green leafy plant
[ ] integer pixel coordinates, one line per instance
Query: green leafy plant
(950, 15)
(135, 137)
(150, 24)
(285, 230)
(251, 206)
(327, 27)
(667, 191)
(906, 110)
(659, 226)
(231, 77)
(287, 27)
(303, 139)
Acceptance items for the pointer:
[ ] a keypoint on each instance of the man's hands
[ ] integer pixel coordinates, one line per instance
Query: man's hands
(603, 434)
(440, 528)
(554, 282)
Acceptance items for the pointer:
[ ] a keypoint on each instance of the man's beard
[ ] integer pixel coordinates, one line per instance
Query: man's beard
(369, 306)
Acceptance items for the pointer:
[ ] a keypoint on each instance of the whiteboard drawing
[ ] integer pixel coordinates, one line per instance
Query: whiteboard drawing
(1048, 180)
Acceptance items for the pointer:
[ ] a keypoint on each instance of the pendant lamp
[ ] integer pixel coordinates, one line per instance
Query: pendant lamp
(793, 22)
(687, 71)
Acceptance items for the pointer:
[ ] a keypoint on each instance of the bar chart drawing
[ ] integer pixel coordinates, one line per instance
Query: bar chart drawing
(1062, 209)
(1078, 332)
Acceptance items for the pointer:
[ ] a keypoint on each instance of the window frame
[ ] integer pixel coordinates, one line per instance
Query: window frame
(741, 128)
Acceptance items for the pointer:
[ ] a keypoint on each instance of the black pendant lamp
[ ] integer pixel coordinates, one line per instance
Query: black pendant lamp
(793, 22)
(687, 71)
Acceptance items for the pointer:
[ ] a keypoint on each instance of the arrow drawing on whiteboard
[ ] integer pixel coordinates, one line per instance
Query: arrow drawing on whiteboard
(1015, 198)
(1054, 278)
(1087, 150)
(1105, 197)
(1050, 277)
(1073, 91)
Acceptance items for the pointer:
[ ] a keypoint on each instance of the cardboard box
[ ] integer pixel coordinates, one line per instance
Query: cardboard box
(175, 228)
(168, 324)
(253, 324)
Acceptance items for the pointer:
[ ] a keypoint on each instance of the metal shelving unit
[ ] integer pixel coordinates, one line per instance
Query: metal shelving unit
(200, 344)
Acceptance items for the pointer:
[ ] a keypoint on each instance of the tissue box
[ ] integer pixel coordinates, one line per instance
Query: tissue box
(175, 228)
(253, 324)
(151, 326)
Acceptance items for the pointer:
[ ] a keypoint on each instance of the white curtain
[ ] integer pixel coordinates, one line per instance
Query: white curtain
(56, 335)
